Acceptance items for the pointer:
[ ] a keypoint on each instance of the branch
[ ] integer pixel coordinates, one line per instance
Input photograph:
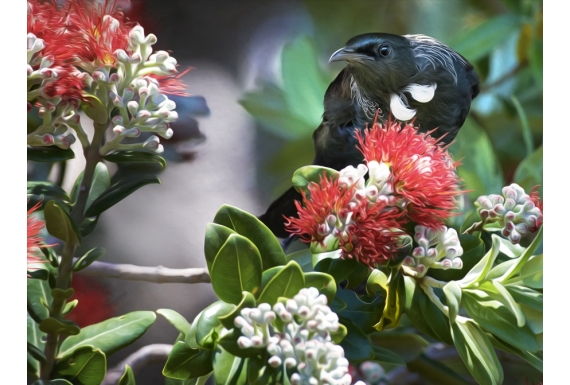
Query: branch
(138, 361)
(157, 274)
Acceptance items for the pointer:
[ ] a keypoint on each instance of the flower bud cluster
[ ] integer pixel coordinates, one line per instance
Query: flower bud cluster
(136, 95)
(514, 211)
(445, 255)
(56, 113)
(378, 187)
(300, 339)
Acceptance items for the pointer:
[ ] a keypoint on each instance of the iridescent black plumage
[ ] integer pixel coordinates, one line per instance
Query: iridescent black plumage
(412, 77)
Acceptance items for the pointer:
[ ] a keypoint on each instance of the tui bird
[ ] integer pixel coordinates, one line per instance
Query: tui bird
(412, 77)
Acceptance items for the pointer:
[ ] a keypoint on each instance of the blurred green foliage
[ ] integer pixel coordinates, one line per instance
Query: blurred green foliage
(500, 141)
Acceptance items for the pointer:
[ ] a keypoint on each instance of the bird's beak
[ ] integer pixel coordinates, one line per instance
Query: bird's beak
(348, 54)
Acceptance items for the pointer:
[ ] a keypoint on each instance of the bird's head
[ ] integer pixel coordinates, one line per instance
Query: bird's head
(378, 60)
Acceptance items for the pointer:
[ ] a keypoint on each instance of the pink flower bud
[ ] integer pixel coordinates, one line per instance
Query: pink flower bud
(48, 139)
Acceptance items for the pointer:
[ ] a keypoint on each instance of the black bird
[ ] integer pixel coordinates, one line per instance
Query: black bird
(410, 77)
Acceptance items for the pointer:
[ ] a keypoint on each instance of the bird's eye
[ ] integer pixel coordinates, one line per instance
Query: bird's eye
(384, 50)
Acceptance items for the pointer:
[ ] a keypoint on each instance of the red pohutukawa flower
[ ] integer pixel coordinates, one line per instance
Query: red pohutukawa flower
(79, 31)
(35, 240)
(417, 171)
(68, 85)
(335, 216)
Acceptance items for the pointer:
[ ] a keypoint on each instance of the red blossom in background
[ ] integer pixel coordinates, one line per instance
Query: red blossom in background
(35, 240)
(94, 301)
(423, 173)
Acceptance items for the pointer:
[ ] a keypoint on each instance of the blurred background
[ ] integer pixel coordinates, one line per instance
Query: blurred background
(259, 73)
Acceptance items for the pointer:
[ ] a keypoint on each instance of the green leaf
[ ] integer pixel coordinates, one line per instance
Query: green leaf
(184, 362)
(248, 300)
(216, 236)
(177, 320)
(49, 154)
(324, 283)
(286, 283)
(480, 270)
(128, 377)
(135, 157)
(496, 318)
(59, 224)
(453, 295)
(434, 371)
(515, 269)
(45, 191)
(229, 342)
(94, 108)
(117, 192)
(387, 356)
(526, 131)
(406, 345)
(252, 228)
(35, 352)
(112, 334)
(228, 369)
(303, 81)
(101, 182)
(85, 365)
(532, 359)
(307, 174)
(527, 296)
(357, 347)
(203, 330)
(363, 314)
(39, 293)
(477, 352)
(36, 338)
(377, 280)
(435, 318)
(88, 226)
(506, 299)
(236, 268)
(69, 307)
(479, 41)
(304, 258)
(536, 61)
(330, 256)
(481, 170)
(88, 258)
(473, 250)
(529, 171)
(59, 326)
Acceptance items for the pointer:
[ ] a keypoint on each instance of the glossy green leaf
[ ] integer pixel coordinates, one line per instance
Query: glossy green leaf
(59, 326)
(88, 226)
(536, 60)
(479, 41)
(357, 347)
(184, 362)
(286, 283)
(248, 300)
(128, 377)
(364, 314)
(45, 191)
(94, 108)
(328, 255)
(203, 329)
(324, 283)
(435, 371)
(303, 81)
(452, 293)
(307, 174)
(49, 154)
(529, 172)
(480, 270)
(216, 236)
(527, 296)
(532, 272)
(357, 276)
(236, 268)
(386, 356)
(39, 295)
(496, 318)
(477, 352)
(304, 258)
(59, 224)
(473, 251)
(36, 338)
(35, 352)
(228, 341)
(112, 334)
(253, 229)
(526, 131)
(531, 358)
(88, 258)
(85, 365)
(100, 183)
(135, 157)
(69, 307)
(117, 192)
(177, 320)
(435, 318)
(377, 280)
(480, 170)
(406, 345)
(528, 252)
(501, 294)
(228, 369)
